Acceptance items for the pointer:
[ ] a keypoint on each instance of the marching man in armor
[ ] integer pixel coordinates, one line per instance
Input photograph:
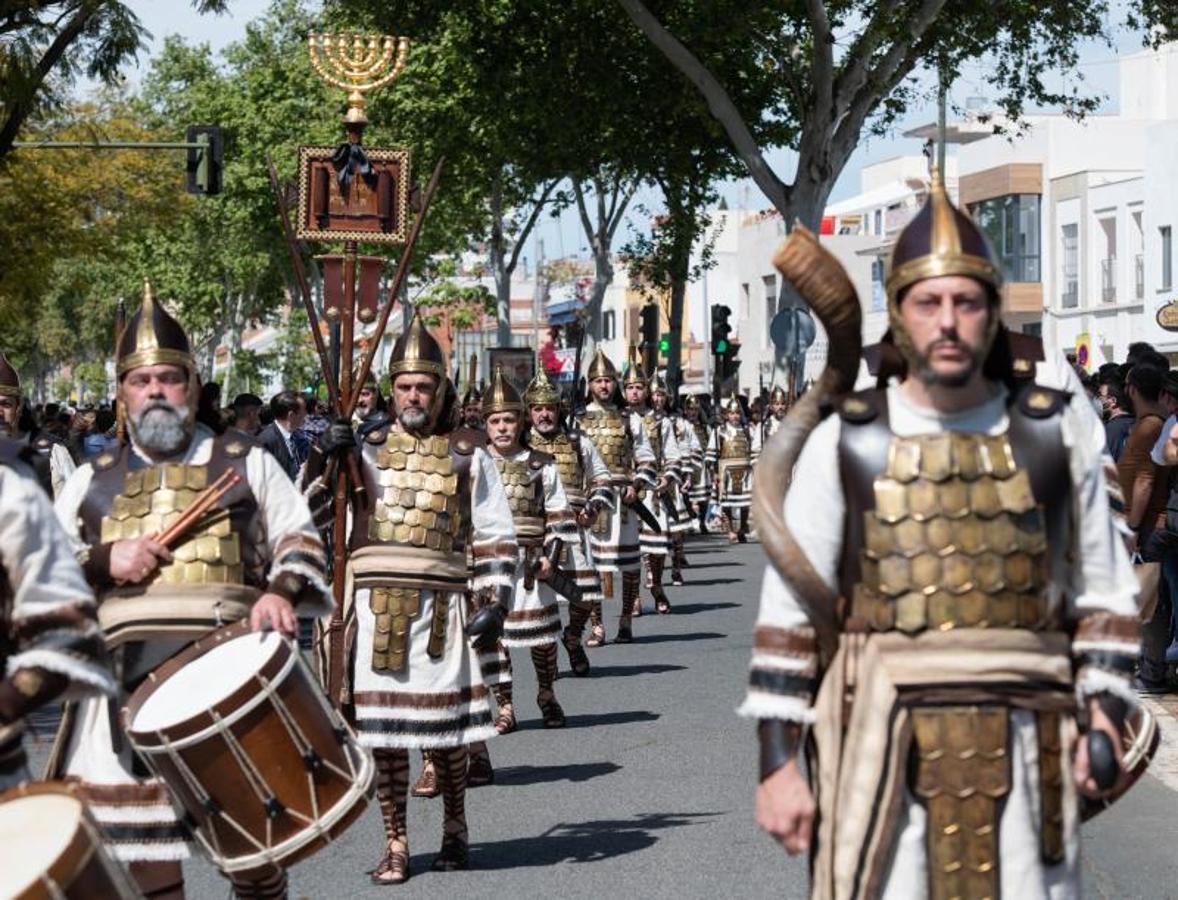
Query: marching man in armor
(613, 538)
(950, 613)
(413, 676)
(544, 524)
(257, 555)
(50, 459)
(586, 482)
(700, 489)
(52, 648)
(659, 430)
(775, 415)
(730, 455)
(691, 457)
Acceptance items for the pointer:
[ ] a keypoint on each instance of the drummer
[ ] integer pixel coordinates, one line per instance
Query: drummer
(256, 554)
(51, 645)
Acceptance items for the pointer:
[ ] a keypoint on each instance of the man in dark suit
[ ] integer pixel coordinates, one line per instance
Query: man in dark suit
(281, 437)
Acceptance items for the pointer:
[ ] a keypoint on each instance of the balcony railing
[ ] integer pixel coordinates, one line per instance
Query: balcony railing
(1070, 298)
(1108, 279)
(1139, 276)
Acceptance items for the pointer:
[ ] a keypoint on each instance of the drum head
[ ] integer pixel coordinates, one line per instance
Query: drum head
(34, 832)
(206, 680)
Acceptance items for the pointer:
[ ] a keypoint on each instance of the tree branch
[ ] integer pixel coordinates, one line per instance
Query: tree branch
(859, 56)
(719, 103)
(20, 108)
(529, 224)
(579, 193)
(822, 61)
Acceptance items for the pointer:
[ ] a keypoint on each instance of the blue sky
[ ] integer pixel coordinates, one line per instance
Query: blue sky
(564, 236)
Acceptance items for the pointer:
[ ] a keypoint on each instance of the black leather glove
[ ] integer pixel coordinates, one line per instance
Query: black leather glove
(486, 626)
(338, 437)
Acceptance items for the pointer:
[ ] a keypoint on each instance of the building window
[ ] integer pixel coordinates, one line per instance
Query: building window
(744, 301)
(1012, 225)
(878, 222)
(1108, 262)
(878, 294)
(609, 326)
(770, 282)
(1167, 257)
(1070, 297)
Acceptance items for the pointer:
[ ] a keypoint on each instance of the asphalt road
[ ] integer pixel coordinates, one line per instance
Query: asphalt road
(647, 792)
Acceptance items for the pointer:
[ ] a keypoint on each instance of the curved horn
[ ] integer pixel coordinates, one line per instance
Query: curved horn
(823, 283)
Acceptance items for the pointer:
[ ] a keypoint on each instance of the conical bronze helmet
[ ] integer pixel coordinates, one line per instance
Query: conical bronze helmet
(940, 240)
(732, 404)
(153, 338)
(658, 382)
(634, 370)
(416, 351)
(541, 391)
(691, 402)
(777, 394)
(501, 395)
(601, 367)
(9, 379)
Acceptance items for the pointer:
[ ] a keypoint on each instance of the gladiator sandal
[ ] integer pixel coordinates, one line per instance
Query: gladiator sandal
(480, 772)
(571, 638)
(661, 603)
(268, 884)
(427, 782)
(392, 788)
(596, 626)
(455, 852)
(647, 559)
(743, 534)
(544, 659)
(629, 600)
(505, 722)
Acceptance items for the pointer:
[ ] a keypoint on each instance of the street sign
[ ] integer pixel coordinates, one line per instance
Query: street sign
(793, 331)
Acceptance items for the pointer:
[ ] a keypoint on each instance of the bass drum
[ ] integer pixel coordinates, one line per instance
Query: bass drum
(239, 729)
(50, 848)
(1139, 744)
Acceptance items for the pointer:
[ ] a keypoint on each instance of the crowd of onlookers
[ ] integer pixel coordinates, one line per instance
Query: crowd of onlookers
(1138, 402)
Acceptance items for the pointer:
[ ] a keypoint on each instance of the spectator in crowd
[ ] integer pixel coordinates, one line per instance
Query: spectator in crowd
(281, 437)
(317, 418)
(1118, 418)
(1145, 488)
(247, 413)
(208, 407)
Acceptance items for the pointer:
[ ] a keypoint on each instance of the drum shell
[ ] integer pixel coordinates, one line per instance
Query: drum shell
(83, 871)
(260, 735)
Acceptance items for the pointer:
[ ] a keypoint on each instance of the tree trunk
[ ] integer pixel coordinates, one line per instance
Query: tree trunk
(498, 259)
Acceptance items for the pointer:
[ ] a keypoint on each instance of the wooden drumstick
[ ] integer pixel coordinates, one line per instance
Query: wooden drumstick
(203, 503)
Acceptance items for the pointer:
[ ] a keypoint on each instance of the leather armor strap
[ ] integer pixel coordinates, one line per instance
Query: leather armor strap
(394, 610)
(1051, 844)
(781, 742)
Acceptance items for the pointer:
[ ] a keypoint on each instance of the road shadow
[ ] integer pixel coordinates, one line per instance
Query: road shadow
(672, 638)
(620, 717)
(624, 671)
(688, 608)
(711, 565)
(580, 842)
(709, 582)
(575, 772)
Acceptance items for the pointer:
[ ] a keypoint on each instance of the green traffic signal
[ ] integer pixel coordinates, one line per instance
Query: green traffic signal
(721, 346)
(665, 344)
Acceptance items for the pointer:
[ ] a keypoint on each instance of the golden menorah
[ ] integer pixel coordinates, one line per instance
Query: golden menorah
(357, 64)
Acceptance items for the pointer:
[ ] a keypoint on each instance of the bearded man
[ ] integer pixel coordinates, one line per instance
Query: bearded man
(413, 678)
(950, 606)
(730, 456)
(700, 490)
(690, 457)
(622, 442)
(777, 408)
(49, 457)
(586, 482)
(259, 557)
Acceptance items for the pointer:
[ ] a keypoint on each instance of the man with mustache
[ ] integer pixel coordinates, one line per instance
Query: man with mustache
(700, 490)
(258, 558)
(412, 675)
(586, 481)
(49, 456)
(730, 456)
(950, 606)
(622, 442)
(777, 408)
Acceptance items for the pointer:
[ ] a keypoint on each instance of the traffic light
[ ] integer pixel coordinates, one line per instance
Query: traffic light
(204, 163)
(650, 326)
(665, 343)
(729, 364)
(720, 329)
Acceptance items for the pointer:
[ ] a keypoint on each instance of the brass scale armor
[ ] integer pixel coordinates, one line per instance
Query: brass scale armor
(568, 463)
(957, 539)
(524, 486)
(422, 499)
(610, 433)
(124, 503)
(736, 449)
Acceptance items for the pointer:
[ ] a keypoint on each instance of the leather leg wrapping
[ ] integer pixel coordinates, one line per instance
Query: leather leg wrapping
(502, 693)
(452, 763)
(962, 774)
(629, 593)
(268, 885)
(392, 791)
(544, 659)
(579, 612)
